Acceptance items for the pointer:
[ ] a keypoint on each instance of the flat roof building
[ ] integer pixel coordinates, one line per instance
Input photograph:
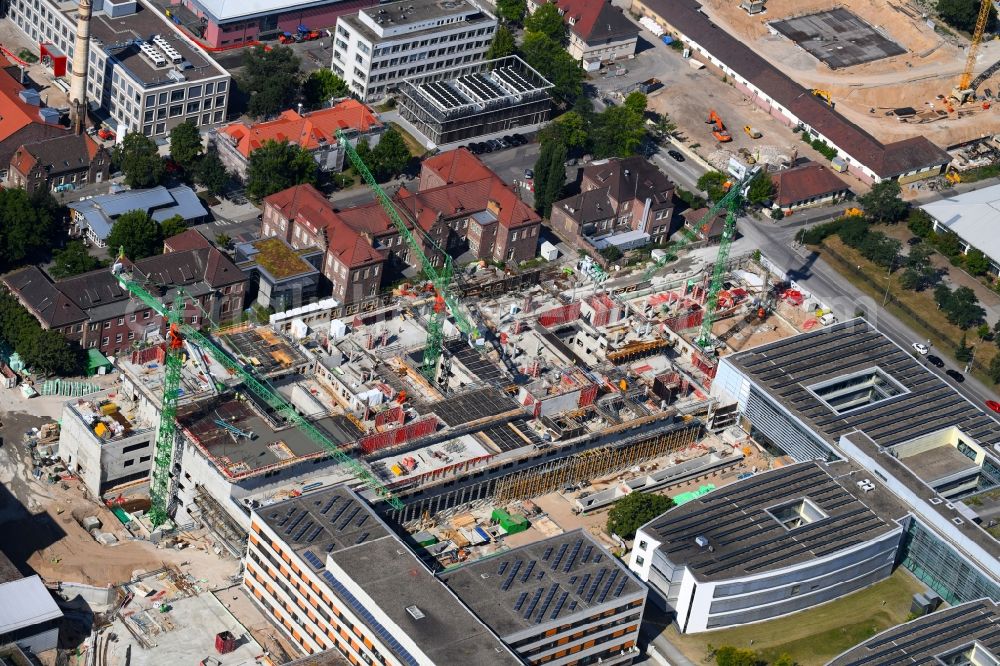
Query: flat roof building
(773, 544)
(29, 615)
(564, 600)
(328, 571)
(376, 49)
(846, 391)
(965, 634)
(144, 76)
(974, 217)
(473, 100)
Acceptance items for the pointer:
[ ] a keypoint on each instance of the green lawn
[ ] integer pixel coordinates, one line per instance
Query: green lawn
(817, 635)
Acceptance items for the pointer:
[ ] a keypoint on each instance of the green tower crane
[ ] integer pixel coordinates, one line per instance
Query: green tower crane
(440, 277)
(178, 331)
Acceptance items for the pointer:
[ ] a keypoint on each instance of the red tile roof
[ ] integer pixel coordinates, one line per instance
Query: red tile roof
(808, 181)
(596, 19)
(191, 239)
(309, 130)
(15, 113)
(454, 166)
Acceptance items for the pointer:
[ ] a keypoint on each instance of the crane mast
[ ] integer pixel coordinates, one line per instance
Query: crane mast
(963, 90)
(178, 331)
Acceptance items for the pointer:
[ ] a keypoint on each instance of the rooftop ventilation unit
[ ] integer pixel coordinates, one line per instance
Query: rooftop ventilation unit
(153, 54)
(172, 53)
(701, 541)
(415, 612)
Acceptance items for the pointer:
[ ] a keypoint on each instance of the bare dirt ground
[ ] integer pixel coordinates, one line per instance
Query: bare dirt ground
(50, 540)
(930, 67)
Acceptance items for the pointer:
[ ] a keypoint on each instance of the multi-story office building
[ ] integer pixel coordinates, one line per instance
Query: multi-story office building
(770, 545)
(143, 75)
(562, 601)
(377, 48)
(332, 575)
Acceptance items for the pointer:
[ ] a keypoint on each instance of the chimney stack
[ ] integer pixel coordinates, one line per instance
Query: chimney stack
(78, 82)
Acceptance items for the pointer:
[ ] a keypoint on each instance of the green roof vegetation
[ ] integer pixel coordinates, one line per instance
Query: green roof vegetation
(279, 260)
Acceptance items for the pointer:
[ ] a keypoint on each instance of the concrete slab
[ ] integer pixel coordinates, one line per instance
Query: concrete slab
(838, 38)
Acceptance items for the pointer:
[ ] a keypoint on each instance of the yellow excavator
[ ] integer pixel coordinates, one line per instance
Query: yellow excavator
(824, 95)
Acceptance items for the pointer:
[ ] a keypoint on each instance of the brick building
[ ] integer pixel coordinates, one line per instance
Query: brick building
(93, 310)
(459, 204)
(60, 162)
(617, 197)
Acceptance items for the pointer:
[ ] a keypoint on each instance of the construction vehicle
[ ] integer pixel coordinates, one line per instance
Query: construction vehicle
(734, 202)
(751, 132)
(853, 212)
(720, 132)
(823, 95)
(953, 177)
(445, 301)
(965, 90)
(178, 332)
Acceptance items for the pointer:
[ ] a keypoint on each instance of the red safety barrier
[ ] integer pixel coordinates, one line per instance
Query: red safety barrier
(685, 321)
(560, 315)
(398, 436)
(588, 395)
(394, 415)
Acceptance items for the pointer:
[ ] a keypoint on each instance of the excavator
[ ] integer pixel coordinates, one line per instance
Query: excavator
(720, 132)
(823, 95)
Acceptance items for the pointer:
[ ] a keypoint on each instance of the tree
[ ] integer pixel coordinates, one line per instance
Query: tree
(553, 62)
(853, 231)
(942, 296)
(73, 260)
(635, 510)
(963, 352)
(547, 21)
(962, 14)
(138, 234)
(172, 226)
(271, 79)
(277, 166)
(636, 102)
(28, 227)
(47, 352)
(994, 370)
(612, 253)
(882, 203)
(542, 163)
(976, 262)
(212, 174)
(947, 243)
(712, 183)
(618, 132)
(761, 189)
(185, 144)
(727, 655)
(984, 332)
(511, 10)
(570, 128)
(223, 240)
(555, 180)
(390, 155)
(920, 223)
(140, 161)
(784, 659)
(962, 309)
(321, 86)
(503, 44)
(880, 249)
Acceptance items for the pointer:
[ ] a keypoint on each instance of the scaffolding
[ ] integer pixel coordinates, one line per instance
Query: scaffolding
(588, 465)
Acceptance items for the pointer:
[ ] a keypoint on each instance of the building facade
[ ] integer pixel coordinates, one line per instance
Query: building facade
(599, 32)
(94, 217)
(280, 277)
(474, 100)
(378, 48)
(315, 132)
(144, 76)
(61, 163)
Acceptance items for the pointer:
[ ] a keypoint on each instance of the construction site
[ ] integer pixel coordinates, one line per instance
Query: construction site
(885, 65)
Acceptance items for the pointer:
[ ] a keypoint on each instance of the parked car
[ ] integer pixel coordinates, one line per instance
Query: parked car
(935, 361)
(993, 406)
(676, 155)
(920, 348)
(529, 174)
(519, 139)
(956, 375)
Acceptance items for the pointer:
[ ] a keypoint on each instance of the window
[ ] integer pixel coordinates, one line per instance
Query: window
(160, 127)
(220, 102)
(193, 107)
(222, 86)
(148, 116)
(104, 342)
(118, 337)
(642, 545)
(129, 463)
(121, 320)
(857, 390)
(150, 100)
(640, 561)
(194, 91)
(176, 110)
(145, 315)
(209, 88)
(133, 317)
(131, 335)
(176, 95)
(162, 99)
(160, 115)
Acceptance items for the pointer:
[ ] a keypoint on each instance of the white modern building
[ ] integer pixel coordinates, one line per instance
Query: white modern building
(377, 48)
(770, 545)
(144, 75)
(29, 616)
(975, 217)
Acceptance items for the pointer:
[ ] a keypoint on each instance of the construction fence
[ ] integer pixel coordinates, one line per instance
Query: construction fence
(398, 436)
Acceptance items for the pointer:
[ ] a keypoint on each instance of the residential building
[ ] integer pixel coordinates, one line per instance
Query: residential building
(315, 131)
(280, 277)
(620, 200)
(808, 184)
(459, 203)
(778, 542)
(217, 24)
(331, 574)
(694, 220)
(93, 310)
(94, 217)
(24, 119)
(562, 600)
(599, 32)
(964, 634)
(30, 617)
(104, 440)
(972, 216)
(60, 163)
(379, 47)
(776, 93)
(305, 219)
(473, 100)
(846, 391)
(144, 76)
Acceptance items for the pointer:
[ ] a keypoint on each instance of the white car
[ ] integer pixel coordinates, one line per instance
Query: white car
(920, 348)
